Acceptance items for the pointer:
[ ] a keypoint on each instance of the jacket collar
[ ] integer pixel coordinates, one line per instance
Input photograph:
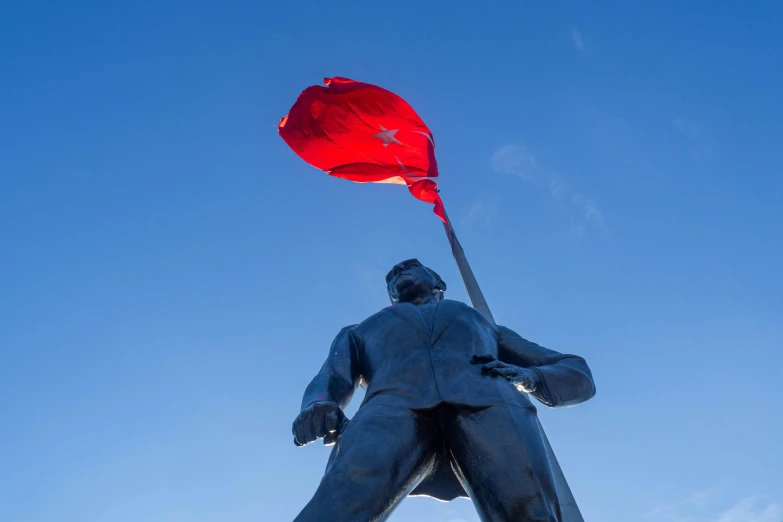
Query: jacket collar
(444, 314)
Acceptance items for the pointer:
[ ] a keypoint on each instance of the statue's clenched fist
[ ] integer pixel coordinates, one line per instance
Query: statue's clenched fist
(320, 420)
(524, 379)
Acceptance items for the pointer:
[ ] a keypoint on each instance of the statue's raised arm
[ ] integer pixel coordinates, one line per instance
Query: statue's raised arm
(553, 378)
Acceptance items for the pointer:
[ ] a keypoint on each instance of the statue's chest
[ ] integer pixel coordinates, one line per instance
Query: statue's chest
(399, 335)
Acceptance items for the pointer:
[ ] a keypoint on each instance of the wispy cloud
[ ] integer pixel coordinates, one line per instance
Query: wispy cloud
(707, 506)
(483, 211)
(700, 141)
(512, 159)
(576, 37)
(683, 510)
(518, 161)
(752, 509)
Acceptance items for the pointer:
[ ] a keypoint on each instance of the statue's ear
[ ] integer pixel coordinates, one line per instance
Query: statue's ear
(440, 288)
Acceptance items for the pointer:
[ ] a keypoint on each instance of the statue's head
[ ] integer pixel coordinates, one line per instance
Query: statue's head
(411, 281)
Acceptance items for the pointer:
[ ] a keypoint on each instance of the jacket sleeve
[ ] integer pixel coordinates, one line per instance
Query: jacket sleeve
(564, 380)
(339, 376)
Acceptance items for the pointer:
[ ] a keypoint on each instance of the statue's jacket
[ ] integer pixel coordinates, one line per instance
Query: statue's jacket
(404, 363)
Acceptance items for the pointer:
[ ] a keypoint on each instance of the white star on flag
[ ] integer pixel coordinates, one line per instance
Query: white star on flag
(387, 136)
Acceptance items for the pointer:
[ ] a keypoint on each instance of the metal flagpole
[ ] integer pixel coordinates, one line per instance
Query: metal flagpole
(568, 508)
(474, 292)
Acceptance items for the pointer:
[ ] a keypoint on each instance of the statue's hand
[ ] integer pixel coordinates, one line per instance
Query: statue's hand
(320, 420)
(524, 379)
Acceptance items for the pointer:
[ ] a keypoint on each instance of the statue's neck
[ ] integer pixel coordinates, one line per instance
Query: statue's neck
(425, 300)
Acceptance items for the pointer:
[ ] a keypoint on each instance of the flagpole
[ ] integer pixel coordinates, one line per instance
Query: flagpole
(568, 508)
(474, 291)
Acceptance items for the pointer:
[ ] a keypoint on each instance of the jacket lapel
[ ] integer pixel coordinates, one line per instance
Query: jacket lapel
(408, 313)
(444, 314)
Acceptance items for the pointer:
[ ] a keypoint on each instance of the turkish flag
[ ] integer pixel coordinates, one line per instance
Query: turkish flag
(363, 133)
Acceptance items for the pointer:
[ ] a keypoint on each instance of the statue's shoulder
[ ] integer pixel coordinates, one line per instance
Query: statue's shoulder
(384, 314)
(380, 315)
(346, 330)
(457, 305)
(389, 313)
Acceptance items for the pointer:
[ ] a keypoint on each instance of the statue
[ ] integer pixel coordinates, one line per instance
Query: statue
(446, 411)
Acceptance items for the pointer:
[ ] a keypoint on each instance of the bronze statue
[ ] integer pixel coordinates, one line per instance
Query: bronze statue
(446, 411)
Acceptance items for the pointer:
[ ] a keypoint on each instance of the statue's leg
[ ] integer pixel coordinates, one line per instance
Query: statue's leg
(499, 456)
(381, 456)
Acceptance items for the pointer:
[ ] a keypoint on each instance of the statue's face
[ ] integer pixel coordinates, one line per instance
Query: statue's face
(411, 282)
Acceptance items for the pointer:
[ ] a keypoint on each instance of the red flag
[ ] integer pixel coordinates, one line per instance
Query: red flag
(363, 133)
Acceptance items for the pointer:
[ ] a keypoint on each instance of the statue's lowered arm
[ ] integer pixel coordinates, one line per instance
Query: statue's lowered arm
(339, 377)
(328, 393)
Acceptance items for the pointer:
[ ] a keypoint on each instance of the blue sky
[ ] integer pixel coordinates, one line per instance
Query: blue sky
(173, 275)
